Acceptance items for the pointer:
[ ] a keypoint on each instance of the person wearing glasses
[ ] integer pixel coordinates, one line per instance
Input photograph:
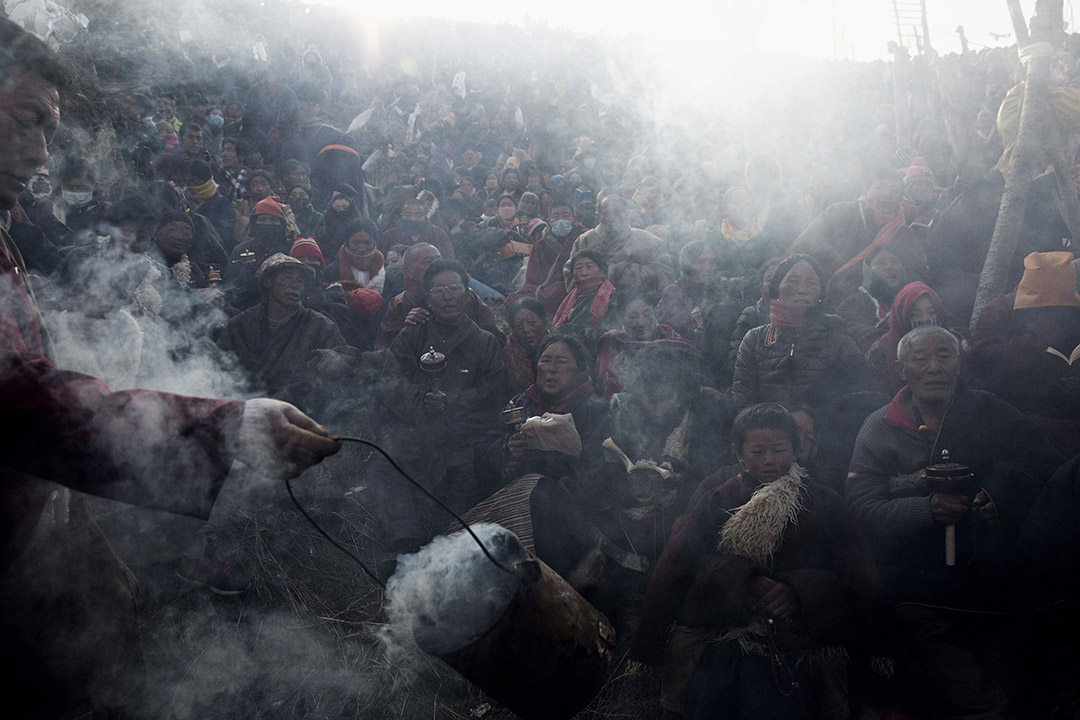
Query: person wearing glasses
(436, 417)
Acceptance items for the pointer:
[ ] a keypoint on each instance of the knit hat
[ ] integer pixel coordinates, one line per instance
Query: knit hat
(172, 216)
(270, 206)
(533, 224)
(365, 302)
(1049, 281)
(918, 170)
(306, 247)
(278, 262)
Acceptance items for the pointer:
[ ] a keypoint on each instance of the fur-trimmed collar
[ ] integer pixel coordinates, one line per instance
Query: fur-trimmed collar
(756, 529)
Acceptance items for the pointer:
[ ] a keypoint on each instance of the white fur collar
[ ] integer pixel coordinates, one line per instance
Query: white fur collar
(756, 529)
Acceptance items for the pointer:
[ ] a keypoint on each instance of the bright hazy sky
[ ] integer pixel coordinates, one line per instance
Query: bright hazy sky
(848, 29)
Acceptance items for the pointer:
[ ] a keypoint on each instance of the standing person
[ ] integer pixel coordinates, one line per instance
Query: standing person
(154, 449)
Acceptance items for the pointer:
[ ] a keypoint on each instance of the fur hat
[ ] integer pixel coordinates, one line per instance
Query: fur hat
(277, 262)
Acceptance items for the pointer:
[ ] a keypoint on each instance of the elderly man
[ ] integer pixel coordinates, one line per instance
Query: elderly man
(276, 340)
(636, 258)
(436, 418)
(408, 307)
(951, 619)
(154, 449)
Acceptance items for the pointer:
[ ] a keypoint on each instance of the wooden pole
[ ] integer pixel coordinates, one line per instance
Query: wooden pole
(900, 92)
(1029, 155)
(1019, 26)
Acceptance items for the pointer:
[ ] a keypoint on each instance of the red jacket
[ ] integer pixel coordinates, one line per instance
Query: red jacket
(148, 448)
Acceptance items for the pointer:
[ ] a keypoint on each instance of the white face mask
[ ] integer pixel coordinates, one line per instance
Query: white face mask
(77, 199)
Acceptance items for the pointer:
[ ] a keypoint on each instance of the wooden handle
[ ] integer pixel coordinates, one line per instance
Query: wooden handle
(950, 545)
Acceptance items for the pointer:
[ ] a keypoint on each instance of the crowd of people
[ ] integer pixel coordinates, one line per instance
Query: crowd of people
(737, 380)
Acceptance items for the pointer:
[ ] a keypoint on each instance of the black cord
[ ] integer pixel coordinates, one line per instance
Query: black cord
(440, 503)
(335, 543)
(424, 490)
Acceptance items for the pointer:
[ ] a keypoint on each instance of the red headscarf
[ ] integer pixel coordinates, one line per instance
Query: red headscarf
(599, 306)
(900, 323)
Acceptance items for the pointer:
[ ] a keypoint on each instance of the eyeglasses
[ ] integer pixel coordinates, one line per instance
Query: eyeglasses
(447, 290)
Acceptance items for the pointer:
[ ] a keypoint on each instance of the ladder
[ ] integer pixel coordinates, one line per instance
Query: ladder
(912, 28)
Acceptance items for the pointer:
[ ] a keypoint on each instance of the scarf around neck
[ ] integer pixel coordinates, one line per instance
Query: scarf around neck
(582, 386)
(889, 225)
(371, 263)
(784, 315)
(597, 309)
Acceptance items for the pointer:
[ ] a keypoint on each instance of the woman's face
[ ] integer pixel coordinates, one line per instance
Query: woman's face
(556, 369)
(491, 181)
(766, 454)
(340, 204)
(801, 285)
(529, 330)
(361, 243)
(704, 267)
(584, 269)
(639, 320)
(922, 312)
(511, 180)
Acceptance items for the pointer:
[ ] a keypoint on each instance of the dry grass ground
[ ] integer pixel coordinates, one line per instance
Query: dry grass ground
(302, 642)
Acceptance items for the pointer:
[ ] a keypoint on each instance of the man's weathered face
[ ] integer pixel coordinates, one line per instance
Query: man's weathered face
(29, 116)
(287, 287)
(175, 239)
(447, 296)
(192, 142)
(613, 214)
(258, 189)
(885, 195)
(930, 366)
(414, 212)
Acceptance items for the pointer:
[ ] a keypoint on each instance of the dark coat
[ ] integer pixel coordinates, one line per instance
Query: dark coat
(473, 381)
(278, 359)
(1010, 459)
(811, 364)
(823, 557)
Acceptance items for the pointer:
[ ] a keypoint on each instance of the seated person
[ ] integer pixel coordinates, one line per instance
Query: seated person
(529, 327)
(866, 311)
(409, 306)
(584, 311)
(435, 422)
(275, 340)
(1025, 347)
(359, 261)
(802, 354)
(771, 562)
(615, 347)
(954, 622)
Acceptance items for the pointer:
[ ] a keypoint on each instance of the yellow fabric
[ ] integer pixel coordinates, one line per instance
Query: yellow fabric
(1049, 281)
(205, 191)
(1064, 102)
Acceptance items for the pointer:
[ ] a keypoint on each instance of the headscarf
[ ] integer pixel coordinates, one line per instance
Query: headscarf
(1049, 281)
(900, 323)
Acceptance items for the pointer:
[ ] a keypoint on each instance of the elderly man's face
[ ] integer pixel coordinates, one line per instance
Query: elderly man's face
(29, 116)
(287, 287)
(613, 214)
(930, 366)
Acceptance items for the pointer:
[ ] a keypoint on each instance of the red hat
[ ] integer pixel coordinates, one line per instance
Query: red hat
(365, 302)
(307, 248)
(918, 169)
(270, 206)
